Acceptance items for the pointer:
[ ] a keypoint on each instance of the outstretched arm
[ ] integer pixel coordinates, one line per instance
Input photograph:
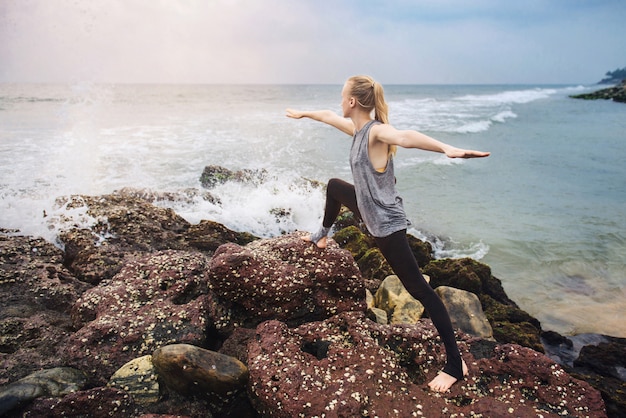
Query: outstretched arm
(413, 139)
(326, 116)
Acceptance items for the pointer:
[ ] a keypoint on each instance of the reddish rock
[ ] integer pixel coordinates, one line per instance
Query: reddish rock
(127, 225)
(36, 293)
(156, 300)
(282, 278)
(350, 366)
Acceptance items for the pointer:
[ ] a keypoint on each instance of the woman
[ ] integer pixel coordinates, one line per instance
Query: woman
(375, 200)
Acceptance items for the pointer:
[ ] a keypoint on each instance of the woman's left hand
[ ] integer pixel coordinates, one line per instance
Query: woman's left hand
(453, 152)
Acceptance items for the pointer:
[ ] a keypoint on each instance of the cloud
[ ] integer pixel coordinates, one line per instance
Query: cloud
(324, 41)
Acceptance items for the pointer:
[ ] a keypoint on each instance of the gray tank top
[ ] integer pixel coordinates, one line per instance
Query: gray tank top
(376, 195)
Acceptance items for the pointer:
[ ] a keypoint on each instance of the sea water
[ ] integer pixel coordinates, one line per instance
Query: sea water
(546, 210)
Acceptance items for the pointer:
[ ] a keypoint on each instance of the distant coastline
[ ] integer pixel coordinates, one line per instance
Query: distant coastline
(616, 93)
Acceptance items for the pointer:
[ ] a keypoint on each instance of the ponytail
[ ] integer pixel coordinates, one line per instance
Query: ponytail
(370, 95)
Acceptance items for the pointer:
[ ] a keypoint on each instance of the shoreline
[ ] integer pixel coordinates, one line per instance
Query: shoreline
(136, 227)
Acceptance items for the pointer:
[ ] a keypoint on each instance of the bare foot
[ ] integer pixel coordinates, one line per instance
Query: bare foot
(320, 244)
(443, 381)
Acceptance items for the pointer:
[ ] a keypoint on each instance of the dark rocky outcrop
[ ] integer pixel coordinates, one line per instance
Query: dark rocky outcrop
(617, 94)
(214, 175)
(597, 359)
(142, 278)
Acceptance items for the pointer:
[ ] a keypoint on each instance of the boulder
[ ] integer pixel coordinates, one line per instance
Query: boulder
(400, 306)
(214, 175)
(209, 235)
(465, 312)
(194, 371)
(348, 365)
(284, 278)
(51, 383)
(139, 379)
(509, 323)
(153, 301)
(126, 225)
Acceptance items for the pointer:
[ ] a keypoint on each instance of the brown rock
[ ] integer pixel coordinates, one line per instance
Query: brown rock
(282, 278)
(192, 370)
(128, 226)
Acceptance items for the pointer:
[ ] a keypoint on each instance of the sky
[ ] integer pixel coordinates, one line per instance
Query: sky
(311, 41)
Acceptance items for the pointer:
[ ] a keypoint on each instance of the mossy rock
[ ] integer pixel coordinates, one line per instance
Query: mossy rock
(346, 219)
(373, 266)
(523, 334)
(463, 273)
(511, 324)
(422, 250)
(353, 240)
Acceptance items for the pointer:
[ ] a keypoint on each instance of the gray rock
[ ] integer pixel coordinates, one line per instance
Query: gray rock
(52, 382)
(466, 312)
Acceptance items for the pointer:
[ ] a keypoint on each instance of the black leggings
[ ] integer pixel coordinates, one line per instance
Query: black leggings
(396, 250)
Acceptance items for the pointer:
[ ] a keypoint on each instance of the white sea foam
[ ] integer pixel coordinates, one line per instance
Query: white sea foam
(503, 116)
(466, 114)
(448, 248)
(509, 97)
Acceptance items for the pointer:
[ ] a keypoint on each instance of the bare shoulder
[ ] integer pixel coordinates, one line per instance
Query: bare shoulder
(384, 132)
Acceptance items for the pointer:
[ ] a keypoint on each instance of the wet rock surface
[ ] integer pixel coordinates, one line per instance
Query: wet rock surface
(141, 278)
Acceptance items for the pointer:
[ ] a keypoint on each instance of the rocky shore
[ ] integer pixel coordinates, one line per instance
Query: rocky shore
(616, 93)
(145, 315)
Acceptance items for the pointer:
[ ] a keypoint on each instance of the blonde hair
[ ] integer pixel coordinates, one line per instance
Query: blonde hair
(370, 95)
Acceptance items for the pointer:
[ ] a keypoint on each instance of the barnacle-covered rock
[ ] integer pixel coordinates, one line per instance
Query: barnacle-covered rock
(284, 278)
(156, 300)
(127, 224)
(138, 377)
(36, 295)
(350, 366)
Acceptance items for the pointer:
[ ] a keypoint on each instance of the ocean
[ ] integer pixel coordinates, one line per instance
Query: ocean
(546, 211)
